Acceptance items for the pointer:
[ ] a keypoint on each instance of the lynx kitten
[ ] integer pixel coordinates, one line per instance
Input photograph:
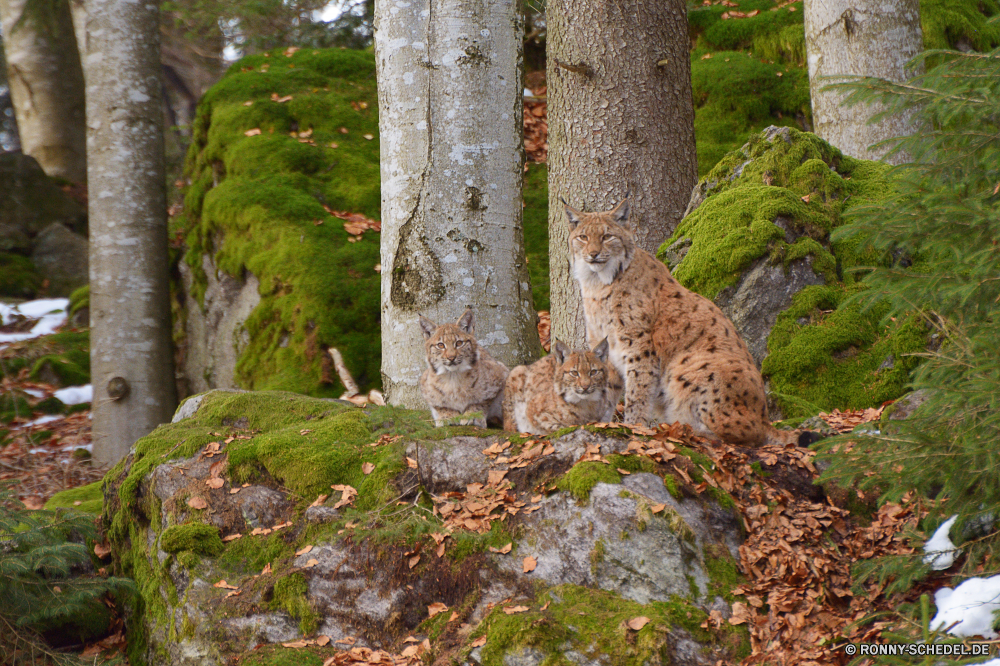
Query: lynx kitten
(681, 358)
(462, 378)
(565, 388)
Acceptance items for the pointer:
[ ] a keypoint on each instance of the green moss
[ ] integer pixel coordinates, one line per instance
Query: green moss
(723, 573)
(79, 299)
(250, 554)
(582, 478)
(670, 483)
(632, 463)
(290, 596)
(276, 655)
(18, 276)
(90, 497)
(12, 405)
(594, 622)
(947, 23)
(536, 232)
(824, 353)
(254, 203)
(196, 537)
(189, 559)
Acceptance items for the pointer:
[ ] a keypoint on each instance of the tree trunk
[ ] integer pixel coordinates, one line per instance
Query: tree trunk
(131, 360)
(451, 111)
(46, 85)
(862, 38)
(621, 119)
(9, 139)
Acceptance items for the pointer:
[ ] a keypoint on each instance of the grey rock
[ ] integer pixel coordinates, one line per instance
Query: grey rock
(322, 514)
(905, 406)
(528, 656)
(764, 291)
(261, 507)
(215, 334)
(61, 256)
(263, 628)
(189, 407)
(674, 253)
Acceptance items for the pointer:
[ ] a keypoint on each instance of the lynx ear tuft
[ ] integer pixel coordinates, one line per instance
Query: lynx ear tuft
(572, 214)
(560, 351)
(467, 321)
(427, 326)
(620, 212)
(601, 350)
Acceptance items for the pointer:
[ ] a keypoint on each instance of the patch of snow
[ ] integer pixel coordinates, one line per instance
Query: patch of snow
(528, 93)
(35, 393)
(48, 418)
(75, 395)
(939, 548)
(50, 312)
(971, 605)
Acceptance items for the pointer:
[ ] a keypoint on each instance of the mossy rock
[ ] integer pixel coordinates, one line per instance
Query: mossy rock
(19, 278)
(303, 567)
(90, 498)
(14, 404)
(62, 358)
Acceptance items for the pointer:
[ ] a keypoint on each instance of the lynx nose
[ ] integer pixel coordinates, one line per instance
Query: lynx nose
(594, 254)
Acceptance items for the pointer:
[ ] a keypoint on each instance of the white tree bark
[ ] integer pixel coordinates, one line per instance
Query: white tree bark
(46, 86)
(862, 38)
(621, 118)
(450, 125)
(131, 355)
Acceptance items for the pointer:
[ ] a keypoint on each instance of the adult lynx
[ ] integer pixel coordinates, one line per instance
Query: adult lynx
(563, 389)
(681, 358)
(462, 378)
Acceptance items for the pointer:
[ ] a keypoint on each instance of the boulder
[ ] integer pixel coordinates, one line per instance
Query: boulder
(237, 523)
(756, 239)
(62, 257)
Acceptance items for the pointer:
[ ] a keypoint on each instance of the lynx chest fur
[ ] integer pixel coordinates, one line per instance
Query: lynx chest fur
(680, 356)
(461, 379)
(563, 389)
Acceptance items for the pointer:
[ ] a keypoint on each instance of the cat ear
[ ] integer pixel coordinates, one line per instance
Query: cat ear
(573, 215)
(560, 351)
(620, 212)
(467, 321)
(427, 326)
(601, 350)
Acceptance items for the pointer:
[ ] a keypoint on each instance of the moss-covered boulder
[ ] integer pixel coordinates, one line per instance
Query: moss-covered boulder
(60, 359)
(756, 240)
(269, 517)
(270, 276)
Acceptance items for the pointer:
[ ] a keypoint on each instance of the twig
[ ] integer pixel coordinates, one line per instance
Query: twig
(344, 374)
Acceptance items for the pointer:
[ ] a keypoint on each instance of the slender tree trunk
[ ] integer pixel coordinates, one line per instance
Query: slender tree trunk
(46, 85)
(450, 110)
(621, 119)
(863, 38)
(131, 357)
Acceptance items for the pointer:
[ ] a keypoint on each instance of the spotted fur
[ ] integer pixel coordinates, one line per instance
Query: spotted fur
(461, 377)
(565, 388)
(680, 356)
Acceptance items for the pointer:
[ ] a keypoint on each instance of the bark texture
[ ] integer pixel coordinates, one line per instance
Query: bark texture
(131, 357)
(861, 38)
(450, 124)
(621, 119)
(46, 86)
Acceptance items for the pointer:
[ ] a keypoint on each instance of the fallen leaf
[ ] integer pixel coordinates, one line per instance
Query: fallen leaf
(348, 493)
(529, 564)
(319, 500)
(334, 144)
(311, 563)
(233, 491)
(215, 482)
(435, 608)
(303, 550)
(410, 651)
(343, 130)
(510, 610)
(196, 502)
(411, 463)
(638, 623)
(369, 137)
(322, 640)
(414, 560)
(305, 431)
(656, 508)
(250, 103)
(266, 569)
(295, 644)
(222, 584)
(280, 100)
(254, 132)
(454, 616)
(367, 468)
(101, 550)
(479, 642)
(231, 537)
(502, 551)
(496, 476)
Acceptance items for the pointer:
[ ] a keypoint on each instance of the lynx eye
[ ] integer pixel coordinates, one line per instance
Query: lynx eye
(459, 343)
(574, 373)
(607, 237)
(581, 237)
(595, 371)
(440, 345)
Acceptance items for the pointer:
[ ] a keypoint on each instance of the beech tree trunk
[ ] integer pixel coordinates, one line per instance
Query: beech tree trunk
(131, 360)
(862, 38)
(46, 86)
(450, 125)
(621, 119)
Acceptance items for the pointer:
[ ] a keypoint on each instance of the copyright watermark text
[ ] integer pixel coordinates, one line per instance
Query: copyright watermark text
(917, 650)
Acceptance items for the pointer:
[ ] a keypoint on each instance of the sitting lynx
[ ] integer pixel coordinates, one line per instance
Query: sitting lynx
(565, 388)
(681, 358)
(462, 377)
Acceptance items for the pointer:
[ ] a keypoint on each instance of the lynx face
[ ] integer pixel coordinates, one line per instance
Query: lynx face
(450, 347)
(600, 248)
(581, 376)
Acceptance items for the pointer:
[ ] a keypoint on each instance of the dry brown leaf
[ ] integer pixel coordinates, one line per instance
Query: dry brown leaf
(479, 642)
(231, 537)
(529, 564)
(637, 623)
(435, 608)
(656, 508)
(347, 496)
(266, 570)
(367, 468)
(303, 550)
(254, 132)
(411, 463)
(510, 610)
(504, 550)
(414, 561)
(322, 640)
(215, 482)
(310, 563)
(222, 584)
(496, 476)
(233, 491)
(101, 550)
(319, 500)
(296, 644)
(197, 502)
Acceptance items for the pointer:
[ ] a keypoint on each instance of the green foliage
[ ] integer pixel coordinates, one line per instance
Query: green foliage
(62, 358)
(943, 217)
(90, 497)
(18, 276)
(290, 596)
(962, 23)
(79, 299)
(536, 232)
(39, 588)
(582, 478)
(257, 204)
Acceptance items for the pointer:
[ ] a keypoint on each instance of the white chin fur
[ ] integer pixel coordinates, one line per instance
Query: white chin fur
(574, 398)
(447, 369)
(595, 274)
